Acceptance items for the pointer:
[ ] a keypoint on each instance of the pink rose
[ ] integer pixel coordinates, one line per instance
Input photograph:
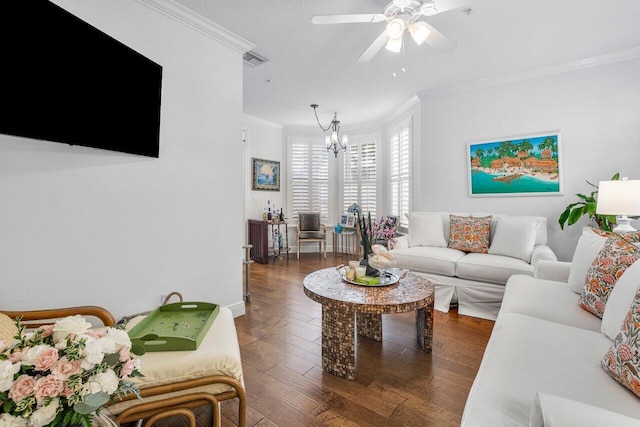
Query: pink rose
(46, 331)
(95, 334)
(49, 386)
(63, 369)
(66, 391)
(46, 359)
(128, 368)
(23, 387)
(125, 354)
(16, 356)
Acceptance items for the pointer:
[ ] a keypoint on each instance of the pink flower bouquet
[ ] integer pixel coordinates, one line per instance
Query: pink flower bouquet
(62, 374)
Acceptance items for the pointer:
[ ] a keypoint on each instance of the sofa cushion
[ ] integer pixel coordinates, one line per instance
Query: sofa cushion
(426, 229)
(491, 268)
(622, 361)
(589, 245)
(526, 355)
(541, 231)
(542, 299)
(514, 237)
(620, 300)
(617, 254)
(429, 260)
(469, 234)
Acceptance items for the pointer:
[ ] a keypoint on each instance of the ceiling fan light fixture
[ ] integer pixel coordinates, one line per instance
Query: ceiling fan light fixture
(428, 9)
(402, 4)
(419, 31)
(395, 28)
(394, 45)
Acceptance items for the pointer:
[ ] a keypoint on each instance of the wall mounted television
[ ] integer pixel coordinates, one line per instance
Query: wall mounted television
(63, 80)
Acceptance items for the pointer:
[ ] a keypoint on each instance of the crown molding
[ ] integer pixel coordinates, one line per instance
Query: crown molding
(610, 58)
(261, 121)
(402, 109)
(199, 23)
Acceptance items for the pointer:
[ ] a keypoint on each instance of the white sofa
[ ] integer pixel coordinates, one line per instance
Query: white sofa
(475, 281)
(542, 367)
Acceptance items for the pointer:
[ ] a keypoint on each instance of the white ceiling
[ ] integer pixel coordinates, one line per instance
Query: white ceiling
(317, 63)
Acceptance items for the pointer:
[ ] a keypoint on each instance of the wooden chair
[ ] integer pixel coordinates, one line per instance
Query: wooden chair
(310, 230)
(159, 401)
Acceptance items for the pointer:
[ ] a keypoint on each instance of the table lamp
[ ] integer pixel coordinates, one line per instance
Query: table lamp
(620, 198)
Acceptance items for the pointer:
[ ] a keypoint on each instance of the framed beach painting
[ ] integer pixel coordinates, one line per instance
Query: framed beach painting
(528, 165)
(265, 175)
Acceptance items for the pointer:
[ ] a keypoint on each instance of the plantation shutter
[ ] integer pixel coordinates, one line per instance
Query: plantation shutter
(309, 179)
(359, 184)
(400, 171)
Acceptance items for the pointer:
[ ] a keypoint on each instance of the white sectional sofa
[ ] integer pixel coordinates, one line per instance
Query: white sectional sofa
(542, 365)
(475, 281)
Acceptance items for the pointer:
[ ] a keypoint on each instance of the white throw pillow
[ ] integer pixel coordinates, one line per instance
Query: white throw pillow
(426, 229)
(589, 246)
(620, 300)
(515, 237)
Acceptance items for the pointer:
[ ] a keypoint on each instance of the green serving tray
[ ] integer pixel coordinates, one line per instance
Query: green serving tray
(175, 327)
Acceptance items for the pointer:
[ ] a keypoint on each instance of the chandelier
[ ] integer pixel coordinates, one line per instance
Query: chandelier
(332, 139)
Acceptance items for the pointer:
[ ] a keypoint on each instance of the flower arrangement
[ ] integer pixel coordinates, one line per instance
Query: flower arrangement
(373, 231)
(62, 374)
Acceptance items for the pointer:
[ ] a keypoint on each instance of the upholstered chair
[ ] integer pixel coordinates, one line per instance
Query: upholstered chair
(311, 230)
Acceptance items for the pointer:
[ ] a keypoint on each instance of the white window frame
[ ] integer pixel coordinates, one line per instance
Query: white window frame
(404, 178)
(359, 140)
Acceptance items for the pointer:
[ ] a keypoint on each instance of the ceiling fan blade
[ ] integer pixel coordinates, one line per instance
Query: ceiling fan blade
(445, 5)
(374, 48)
(347, 19)
(439, 41)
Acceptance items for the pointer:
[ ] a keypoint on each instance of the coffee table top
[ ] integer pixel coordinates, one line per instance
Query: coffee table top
(327, 287)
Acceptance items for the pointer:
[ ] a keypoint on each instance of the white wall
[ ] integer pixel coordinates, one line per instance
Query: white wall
(596, 109)
(85, 226)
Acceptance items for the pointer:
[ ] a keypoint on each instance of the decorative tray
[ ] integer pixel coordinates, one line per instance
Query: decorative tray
(175, 327)
(385, 278)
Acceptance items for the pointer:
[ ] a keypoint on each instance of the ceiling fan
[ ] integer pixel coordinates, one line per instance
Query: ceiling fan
(401, 15)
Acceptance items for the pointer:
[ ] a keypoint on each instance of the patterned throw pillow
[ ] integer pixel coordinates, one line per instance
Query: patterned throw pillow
(617, 254)
(622, 361)
(469, 234)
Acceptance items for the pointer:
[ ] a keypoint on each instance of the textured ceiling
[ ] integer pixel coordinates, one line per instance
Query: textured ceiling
(317, 63)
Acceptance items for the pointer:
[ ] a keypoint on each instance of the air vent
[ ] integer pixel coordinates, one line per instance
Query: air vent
(253, 59)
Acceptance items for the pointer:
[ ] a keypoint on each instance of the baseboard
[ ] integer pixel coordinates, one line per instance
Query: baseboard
(238, 309)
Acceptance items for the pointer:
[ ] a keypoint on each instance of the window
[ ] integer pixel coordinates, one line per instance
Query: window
(400, 170)
(360, 174)
(309, 175)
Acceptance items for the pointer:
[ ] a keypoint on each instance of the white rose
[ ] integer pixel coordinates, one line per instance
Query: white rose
(107, 345)
(105, 381)
(120, 337)
(44, 414)
(7, 372)
(92, 353)
(8, 420)
(70, 325)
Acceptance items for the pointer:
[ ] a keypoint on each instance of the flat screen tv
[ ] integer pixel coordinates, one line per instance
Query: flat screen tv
(63, 80)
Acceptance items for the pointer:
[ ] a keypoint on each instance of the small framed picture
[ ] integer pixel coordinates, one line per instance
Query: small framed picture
(344, 219)
(351, 220)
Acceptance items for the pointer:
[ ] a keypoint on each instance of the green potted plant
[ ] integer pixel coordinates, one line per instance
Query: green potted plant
(587, 206)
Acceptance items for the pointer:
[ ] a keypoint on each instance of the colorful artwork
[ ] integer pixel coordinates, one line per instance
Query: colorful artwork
(520, 166)
(265, 175)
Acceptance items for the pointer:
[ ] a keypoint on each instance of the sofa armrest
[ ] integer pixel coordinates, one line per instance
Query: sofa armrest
(556, 411)
(401, 242)
(542, 252)
(557, 271)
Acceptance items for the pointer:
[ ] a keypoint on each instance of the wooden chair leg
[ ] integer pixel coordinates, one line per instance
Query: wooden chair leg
(298, 251)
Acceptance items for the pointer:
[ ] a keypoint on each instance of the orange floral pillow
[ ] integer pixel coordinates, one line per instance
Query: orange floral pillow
(469, 234)
(617, 254)
(622, 361)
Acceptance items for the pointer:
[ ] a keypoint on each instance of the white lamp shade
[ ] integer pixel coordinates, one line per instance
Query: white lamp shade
(345, 140)
(327, 140)
(419, 30)
(395, 28)
(394, 45)
(618, 198)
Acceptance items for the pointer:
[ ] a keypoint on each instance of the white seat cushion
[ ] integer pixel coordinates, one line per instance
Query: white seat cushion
(218, 354)
(491, 268)
(542, 299)
(526, 355)
(429, 259)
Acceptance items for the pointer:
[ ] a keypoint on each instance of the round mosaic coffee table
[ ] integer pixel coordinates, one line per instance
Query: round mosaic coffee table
(343, 302)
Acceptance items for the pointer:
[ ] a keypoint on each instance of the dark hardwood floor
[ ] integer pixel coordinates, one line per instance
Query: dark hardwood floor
(396, 383)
